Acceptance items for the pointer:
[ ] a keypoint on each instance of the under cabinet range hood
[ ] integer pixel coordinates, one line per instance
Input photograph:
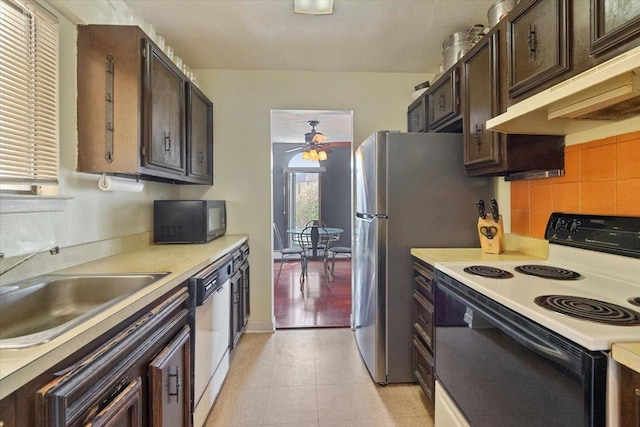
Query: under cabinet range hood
(604, 94)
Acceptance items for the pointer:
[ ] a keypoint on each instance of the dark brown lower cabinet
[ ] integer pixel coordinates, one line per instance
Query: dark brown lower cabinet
(124, 410)
(423, 327)
(170, 383)
(423, 368)
(8, 411)
(246, 289)
(121, 381)
(629, 397)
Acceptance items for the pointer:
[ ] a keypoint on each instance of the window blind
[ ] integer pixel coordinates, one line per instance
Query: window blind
(28, 98)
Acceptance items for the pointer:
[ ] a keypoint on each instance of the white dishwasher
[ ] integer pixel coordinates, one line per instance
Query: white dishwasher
(212, 290)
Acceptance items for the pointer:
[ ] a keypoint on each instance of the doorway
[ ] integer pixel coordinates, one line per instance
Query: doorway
(311, 189)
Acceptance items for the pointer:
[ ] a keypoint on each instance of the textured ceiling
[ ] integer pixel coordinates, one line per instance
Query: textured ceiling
(291, 125)
(361, 35)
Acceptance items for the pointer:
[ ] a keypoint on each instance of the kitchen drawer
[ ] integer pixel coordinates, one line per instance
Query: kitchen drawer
(423, 277)
(423, 318)
(423, 368)
(444, 103)
(417, 115)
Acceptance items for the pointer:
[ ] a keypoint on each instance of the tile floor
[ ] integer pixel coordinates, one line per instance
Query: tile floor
(311, 377)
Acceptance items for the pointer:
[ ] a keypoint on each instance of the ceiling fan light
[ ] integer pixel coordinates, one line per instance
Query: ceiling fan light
(314, 155)
(319, 137)
(306, 155)
(322, 156)
(313, 7)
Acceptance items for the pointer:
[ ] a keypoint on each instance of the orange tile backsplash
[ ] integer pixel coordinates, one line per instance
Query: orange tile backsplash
(601, 177)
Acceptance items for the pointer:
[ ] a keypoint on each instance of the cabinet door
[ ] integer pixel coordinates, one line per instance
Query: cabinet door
(417, 115)
(246, 309)
(164, 110)
(83, 390)
(124, 410)
(200, 136)
(538, 44)
(629, 388)
(423, 319)
(8, 411)
(481, 102)
(170, 383)
(613, 23)
(423, 368)
(423, 278)
(236, 285)
(444, 103)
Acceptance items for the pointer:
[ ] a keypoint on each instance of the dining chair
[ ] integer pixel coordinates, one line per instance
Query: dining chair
(315, 222)
(285, 252)
(337, 250)
(314, 241)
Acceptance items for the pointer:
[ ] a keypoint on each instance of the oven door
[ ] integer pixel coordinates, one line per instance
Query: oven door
(502, 369)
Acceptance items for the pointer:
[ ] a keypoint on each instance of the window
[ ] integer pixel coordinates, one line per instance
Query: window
(28, 111)
(302, 191)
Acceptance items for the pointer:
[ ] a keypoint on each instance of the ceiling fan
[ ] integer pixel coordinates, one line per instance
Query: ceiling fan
(315, 147)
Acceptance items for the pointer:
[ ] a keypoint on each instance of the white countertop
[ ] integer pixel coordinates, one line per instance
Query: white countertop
(17, 367)
(628, 354)
(518, 248)
(520, 298)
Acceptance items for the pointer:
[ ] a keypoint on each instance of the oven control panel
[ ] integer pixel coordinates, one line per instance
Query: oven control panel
(612, 234)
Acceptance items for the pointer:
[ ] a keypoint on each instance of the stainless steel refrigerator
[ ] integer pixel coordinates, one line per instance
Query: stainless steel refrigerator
(411, 191)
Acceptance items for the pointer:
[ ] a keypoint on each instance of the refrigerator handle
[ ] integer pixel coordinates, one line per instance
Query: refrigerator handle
(370, 217)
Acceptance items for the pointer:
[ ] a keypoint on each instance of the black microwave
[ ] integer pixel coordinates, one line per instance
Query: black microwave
(188, 221)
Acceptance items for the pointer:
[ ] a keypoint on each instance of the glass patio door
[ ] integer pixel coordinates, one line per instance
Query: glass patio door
(303, 197)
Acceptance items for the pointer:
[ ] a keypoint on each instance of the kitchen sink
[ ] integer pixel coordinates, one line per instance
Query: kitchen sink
(36, 310)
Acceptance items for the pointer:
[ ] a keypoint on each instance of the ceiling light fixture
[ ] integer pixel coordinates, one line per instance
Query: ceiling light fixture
(314, 148)
(313, 7)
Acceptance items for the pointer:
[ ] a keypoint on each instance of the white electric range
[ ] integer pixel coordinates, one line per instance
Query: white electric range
(592, 275)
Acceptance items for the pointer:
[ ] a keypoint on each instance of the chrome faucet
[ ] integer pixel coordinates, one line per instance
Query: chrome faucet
(52, 251)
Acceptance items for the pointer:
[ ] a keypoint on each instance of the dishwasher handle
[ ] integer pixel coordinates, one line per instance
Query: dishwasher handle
(210, 284)
(210, 280)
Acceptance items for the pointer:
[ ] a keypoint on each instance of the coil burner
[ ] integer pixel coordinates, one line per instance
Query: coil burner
(634, 301)
(589, 309)
(488, 271)
(548, 272)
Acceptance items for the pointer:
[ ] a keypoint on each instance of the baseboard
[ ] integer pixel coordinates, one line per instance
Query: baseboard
(260, 327)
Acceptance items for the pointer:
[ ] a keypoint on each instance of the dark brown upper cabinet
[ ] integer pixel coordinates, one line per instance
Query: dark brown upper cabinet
(199, 136)
(481, 96)
(163, 105)
(613, 23)
(138, 113)
(444, 102)
(417, 115)
(538, 39)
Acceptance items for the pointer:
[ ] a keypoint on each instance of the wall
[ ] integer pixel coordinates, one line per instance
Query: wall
(242, 102)
(601, 177)
(90, 214)
(336, 194)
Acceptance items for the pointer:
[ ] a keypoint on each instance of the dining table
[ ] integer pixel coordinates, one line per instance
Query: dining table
(332, 232)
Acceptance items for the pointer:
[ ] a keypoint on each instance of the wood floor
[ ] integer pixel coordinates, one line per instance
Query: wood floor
(319, 304)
